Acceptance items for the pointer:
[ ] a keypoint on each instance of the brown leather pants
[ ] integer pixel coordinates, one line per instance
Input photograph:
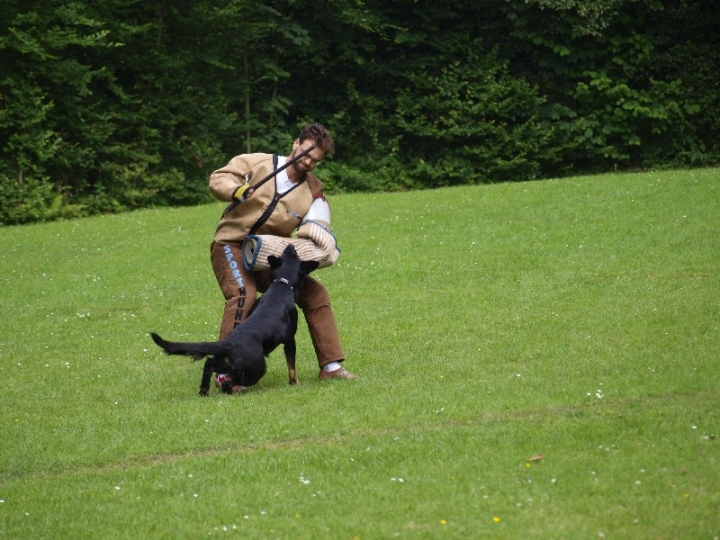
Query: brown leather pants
(240, 288)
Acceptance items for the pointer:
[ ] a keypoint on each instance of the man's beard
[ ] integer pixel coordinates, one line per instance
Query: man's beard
(299, 168)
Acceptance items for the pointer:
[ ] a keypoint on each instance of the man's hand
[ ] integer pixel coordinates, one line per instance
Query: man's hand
(243, 193)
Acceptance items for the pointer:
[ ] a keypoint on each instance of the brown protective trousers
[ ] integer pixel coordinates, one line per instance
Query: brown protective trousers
(240, 287)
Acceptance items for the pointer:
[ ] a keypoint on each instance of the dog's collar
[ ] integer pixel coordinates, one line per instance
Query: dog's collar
(285, 281)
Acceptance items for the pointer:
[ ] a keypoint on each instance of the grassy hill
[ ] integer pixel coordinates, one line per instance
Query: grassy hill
(575, 319)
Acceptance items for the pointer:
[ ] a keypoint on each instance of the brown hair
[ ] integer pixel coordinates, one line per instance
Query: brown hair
(320, 136)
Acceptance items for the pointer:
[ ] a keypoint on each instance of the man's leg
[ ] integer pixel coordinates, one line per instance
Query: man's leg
(237, 285)
(315, 303)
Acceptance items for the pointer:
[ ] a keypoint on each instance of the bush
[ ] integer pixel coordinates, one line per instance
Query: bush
(470, 121)
(35, 199)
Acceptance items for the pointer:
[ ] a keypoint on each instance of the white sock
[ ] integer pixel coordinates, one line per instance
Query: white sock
(332, 366)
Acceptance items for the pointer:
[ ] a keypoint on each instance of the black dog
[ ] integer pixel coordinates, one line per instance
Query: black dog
(272, 321)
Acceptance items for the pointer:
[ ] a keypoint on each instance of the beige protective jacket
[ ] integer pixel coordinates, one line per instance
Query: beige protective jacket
(235, 225)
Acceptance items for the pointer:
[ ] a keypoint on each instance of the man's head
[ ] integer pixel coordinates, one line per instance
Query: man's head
(316, 135)
(319, 136)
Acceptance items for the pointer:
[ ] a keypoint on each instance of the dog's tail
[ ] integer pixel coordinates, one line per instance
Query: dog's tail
(196, 350)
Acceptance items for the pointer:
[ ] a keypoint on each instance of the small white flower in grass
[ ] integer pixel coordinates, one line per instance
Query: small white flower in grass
(117, 488)
(304, 480)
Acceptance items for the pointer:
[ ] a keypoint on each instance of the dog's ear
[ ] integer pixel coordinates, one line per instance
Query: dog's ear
(308, 266)
(274, 261)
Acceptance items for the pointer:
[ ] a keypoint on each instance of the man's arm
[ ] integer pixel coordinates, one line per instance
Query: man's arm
(232, 180)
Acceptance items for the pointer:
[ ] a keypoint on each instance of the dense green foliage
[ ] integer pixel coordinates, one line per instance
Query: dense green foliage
(122, 104)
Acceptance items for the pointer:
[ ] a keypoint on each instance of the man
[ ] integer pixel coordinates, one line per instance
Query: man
(277, 208)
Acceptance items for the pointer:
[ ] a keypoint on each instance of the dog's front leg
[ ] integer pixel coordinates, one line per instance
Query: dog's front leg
(206, 376)
(290, 347)
(290, 360)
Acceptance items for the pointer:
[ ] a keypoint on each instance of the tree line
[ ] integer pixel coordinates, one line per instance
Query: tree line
(112, 105)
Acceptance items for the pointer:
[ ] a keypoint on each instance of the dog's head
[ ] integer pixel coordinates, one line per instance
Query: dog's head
(249, 374)
(239, 380)
(289, 268)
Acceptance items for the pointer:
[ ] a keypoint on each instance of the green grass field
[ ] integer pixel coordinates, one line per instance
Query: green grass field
(578, 319)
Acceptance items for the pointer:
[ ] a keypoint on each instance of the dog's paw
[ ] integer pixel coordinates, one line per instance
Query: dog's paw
(204, 392)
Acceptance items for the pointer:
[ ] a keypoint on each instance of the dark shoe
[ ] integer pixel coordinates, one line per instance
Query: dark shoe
(340, 373)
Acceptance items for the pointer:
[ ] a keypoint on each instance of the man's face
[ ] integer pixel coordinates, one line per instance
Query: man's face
(309, 161)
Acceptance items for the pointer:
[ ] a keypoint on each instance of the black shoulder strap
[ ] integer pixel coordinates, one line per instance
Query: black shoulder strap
(271, 207)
